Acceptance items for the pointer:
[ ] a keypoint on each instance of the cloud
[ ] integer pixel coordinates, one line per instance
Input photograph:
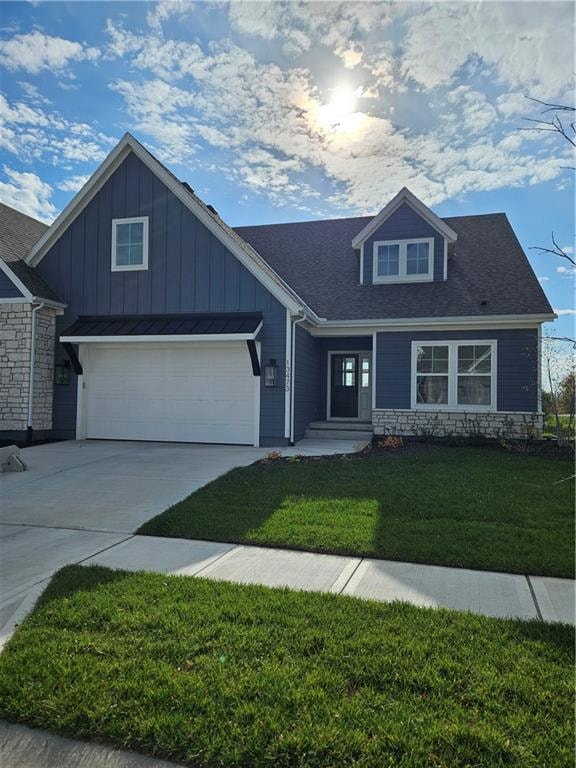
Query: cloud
(35, 52)
(164, 9)
(228, 99)
(299, 25)
(565, 311)
(544, 279)
(568, 248)
(28, 193)
(159, 110)
(33, 133)
(73, 183)
(523, 44)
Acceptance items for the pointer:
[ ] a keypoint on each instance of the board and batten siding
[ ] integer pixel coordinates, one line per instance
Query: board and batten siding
(403, 224)
(516, 373)
(189, 271)
(7, 288)
(308, 364)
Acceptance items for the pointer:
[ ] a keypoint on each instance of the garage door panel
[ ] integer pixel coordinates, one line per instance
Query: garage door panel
(193, 392)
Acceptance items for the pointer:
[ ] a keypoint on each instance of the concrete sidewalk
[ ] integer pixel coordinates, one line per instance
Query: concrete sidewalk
(22, 747)
(483, 592)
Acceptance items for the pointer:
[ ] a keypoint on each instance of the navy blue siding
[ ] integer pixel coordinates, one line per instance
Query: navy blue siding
(309, 362)
(401, 225)
(7, 288)
(517, 366)
(189, 271)
(345, 344)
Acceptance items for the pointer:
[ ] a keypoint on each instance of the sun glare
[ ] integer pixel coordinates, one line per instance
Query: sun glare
(338, 114)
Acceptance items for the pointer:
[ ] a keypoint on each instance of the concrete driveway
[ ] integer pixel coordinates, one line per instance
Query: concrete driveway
(77, 499)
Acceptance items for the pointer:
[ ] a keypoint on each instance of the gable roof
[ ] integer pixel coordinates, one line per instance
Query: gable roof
(227, 236)
(486, 263)
(404, 196)
(18, 234)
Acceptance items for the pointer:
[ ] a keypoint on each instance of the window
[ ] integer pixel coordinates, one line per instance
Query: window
(432, 375)
(129, 244)
(365, 373)
(454, 375)
(388, 259)
(403, 261)
(348, 372)
(474, 374)
(417, 258)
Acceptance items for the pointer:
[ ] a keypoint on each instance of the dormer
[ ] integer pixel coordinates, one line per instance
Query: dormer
(405, 243)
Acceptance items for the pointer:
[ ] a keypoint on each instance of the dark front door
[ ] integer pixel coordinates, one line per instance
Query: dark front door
(344, 386)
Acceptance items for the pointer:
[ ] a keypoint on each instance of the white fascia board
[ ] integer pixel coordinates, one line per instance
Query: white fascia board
(156, 339)
(15, 280)
(404, 196)
(368, 327)
(36, 300)
(247, 256)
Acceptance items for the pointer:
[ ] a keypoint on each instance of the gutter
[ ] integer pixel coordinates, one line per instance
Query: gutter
(29, 429)
(295, 322)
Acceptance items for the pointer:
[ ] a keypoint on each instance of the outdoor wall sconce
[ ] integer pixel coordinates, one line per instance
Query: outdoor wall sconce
(62, 373)
(271, 374)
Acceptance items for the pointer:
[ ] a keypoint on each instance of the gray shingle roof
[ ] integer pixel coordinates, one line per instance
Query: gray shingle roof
(18, 233)
(486, 264)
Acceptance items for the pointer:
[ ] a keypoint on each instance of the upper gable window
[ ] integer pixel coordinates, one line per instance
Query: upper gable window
(129, 244)
(403, 261)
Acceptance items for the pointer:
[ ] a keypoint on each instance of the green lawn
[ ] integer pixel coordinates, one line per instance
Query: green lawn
(215, 674)
(472, 507)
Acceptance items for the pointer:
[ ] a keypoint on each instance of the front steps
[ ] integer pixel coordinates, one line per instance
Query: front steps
(339, 430)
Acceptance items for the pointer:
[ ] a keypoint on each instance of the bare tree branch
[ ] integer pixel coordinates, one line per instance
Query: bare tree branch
(550, 106)
(556, 250)
(555, 124)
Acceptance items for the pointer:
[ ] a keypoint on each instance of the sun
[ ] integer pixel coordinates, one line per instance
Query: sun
(339, 113)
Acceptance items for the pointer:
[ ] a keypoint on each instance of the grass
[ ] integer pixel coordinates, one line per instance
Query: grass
(214, 674)
(551, 428)
(475, 508)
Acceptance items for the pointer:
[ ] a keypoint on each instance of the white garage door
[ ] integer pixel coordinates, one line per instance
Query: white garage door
(185, 392)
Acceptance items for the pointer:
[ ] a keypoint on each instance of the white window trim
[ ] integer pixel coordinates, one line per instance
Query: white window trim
(452, 404)
(130, 267)
(402, 276)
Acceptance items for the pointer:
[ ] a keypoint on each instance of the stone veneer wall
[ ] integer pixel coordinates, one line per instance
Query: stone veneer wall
(446, 423)
(15, 330)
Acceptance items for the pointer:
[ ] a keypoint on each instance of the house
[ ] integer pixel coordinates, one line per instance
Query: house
(145, 317)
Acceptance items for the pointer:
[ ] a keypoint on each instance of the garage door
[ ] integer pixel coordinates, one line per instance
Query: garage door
(185, 392)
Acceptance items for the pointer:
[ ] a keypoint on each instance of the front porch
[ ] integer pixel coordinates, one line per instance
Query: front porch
(333, 387)
(339, 430)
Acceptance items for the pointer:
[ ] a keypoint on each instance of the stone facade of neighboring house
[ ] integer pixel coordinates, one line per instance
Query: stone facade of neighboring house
(15, 347)
(27, 304)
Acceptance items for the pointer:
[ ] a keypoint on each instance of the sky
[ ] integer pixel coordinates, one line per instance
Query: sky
(289, 111)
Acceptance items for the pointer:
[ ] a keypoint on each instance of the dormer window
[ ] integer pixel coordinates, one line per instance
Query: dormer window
(129, 244)
(403, 261)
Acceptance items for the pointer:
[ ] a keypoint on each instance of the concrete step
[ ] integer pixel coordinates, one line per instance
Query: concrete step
(339, 426)
(338, 434)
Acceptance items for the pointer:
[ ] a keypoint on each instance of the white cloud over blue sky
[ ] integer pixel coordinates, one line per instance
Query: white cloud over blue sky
(283, 111)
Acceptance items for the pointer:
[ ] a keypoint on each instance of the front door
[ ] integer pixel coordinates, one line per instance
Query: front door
(344, 386)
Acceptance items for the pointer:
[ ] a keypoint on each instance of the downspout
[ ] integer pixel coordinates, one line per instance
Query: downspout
(29, 429)
(292, 366)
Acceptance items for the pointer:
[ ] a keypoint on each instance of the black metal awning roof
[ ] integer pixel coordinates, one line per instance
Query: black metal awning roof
(242, 324)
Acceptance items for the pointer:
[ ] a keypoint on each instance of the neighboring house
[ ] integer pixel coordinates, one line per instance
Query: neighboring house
(170, 325)
(28, 307)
